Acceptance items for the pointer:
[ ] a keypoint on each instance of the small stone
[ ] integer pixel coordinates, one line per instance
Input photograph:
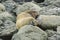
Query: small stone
(2, 8)
(50, 32)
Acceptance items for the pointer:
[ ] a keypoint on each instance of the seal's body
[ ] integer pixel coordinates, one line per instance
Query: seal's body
(25, 18)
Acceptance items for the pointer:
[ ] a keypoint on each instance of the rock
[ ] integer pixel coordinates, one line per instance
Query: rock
(57, 3)
(22, 1)
(1, 39)
(50, 2)
(50, 32)
(50, 11)
(58, 36)
(2, 8)
(58, 29)
(10, 5)
(29, 32)
(2, 1)
(48, 21)
(39, 1)
(17, 9)
(7, 24)
(58, 32)
(28, 6)
(6, 16)
(54, 37)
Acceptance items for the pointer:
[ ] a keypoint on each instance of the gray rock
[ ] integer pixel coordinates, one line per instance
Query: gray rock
(6, 16)
(28, 6)
(49, 21)
(51, 2)
(1, 39)
(2, 8)
(58, 36)
(58, 29)
(58, 32)
(10, 5)
(29, 32)
(2, 1)
(50, 32)
(54, 37)
(50, 11)
(7, 24)
(57, 3)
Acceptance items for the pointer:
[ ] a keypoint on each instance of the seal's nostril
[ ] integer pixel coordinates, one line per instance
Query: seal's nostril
(39, 1)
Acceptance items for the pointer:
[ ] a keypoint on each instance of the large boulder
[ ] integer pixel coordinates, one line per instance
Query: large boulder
(48, 21)
(29, 32)
(28, 6)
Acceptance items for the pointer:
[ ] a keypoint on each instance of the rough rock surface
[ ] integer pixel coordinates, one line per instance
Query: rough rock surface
(49, 21)
(50, 2)
(7, 24)
(29, 32)
(50, 32)
(10, 5)
(50, 11)
(54, 37)
(28, 6)
(2, 8)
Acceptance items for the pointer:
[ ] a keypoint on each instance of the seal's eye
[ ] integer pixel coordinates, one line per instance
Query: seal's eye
(39, 1)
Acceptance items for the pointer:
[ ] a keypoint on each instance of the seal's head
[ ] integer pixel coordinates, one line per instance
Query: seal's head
(32, 13)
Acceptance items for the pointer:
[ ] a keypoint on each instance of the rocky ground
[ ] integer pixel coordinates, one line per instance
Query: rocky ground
(48, 18)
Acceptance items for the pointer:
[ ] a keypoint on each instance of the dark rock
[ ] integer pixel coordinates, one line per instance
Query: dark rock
(39, 1)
